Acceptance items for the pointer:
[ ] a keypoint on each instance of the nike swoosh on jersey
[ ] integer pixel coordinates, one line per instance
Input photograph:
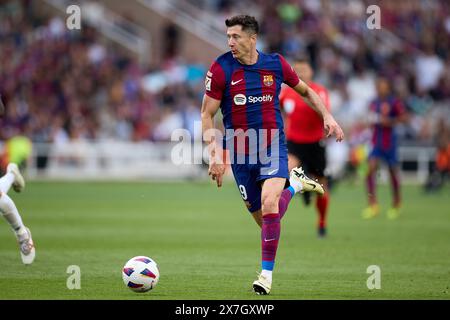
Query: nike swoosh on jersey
(235, 82)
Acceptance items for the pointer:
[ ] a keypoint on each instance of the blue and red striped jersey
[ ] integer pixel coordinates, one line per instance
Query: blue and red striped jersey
(385, 137)
(249, 93)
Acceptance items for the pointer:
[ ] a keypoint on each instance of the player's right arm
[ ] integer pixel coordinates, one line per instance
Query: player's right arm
(214, 86)
(316, 103)
(312, 99)
(210, 106)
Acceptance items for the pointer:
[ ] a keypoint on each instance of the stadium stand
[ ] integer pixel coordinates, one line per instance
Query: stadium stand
(61, 86)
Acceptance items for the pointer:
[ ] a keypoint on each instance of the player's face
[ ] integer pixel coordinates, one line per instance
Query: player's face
(241, 43)
(304, 71)
(383, 87)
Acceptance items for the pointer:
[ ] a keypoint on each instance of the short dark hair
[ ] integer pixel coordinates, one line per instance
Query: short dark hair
(302, 59)
(248, 23)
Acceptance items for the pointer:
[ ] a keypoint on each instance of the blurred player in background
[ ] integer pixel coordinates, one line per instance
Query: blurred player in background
(385, 112)
(245, 84)
(16, 149)
(305, 134)
(9, 211)
(8, 208)
(441, 168)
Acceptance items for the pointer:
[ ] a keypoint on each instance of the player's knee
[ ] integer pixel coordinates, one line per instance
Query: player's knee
(270, 203)
(371, 169)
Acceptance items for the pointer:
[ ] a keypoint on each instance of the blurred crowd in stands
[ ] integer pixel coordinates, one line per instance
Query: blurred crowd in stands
(412, 49)
(62, 85)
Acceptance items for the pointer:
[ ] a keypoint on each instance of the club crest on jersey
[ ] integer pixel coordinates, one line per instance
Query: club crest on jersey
(240, 99)
(268, 80)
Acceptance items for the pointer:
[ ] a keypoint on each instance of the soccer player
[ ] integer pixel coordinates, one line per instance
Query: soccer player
(304, 133)
(245, 84)
(386, 111)
(9, 211)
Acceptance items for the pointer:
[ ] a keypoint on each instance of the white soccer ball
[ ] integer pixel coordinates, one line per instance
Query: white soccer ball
(140, 274)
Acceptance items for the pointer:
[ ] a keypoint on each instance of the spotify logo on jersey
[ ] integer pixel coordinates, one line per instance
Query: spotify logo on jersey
(240, 99)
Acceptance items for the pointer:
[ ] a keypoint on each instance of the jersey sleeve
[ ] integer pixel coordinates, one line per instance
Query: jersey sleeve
(289, 75)
(215, 81)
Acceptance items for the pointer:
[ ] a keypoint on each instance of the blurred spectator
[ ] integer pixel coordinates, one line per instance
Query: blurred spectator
(67, 86)
(440, 172)
(429, 69)
(171, 36)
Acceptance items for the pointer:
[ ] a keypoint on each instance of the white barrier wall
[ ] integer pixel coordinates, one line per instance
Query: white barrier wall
(108, 160)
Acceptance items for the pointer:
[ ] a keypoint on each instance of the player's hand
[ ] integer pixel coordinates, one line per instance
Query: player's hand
(332, 128)
(385, 121)
(216, 171)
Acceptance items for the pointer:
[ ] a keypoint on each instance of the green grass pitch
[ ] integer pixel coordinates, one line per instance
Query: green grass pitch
(208, 247)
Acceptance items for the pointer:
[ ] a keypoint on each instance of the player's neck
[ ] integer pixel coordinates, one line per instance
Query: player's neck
(250, 59)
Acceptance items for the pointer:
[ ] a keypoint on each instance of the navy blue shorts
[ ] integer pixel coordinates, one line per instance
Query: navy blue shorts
(389, 155)
(250, 176)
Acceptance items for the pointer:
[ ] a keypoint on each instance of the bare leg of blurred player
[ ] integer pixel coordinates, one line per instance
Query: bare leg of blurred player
(9, 211)
(293, 161)
(322, 202)
(394, 211)
(373, 209)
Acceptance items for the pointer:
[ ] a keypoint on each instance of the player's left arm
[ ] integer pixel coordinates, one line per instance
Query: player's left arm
(316, 103)
(311, 98)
